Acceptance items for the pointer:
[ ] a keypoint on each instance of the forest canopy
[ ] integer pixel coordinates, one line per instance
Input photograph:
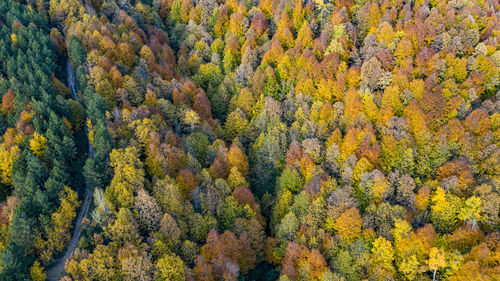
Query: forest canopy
(242, 140)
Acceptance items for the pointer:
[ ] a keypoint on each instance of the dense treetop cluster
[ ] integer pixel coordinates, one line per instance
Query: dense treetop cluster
(251, 140)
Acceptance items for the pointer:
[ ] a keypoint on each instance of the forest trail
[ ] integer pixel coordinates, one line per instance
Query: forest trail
(56, 272)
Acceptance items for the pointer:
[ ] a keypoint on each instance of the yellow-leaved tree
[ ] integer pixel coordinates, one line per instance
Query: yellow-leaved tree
(36, 272)
(7, 157)
(37, 144)
(129, 176)
(59, 234)
(437, 260)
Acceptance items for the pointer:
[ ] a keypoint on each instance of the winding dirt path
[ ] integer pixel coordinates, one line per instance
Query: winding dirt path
(56, 272)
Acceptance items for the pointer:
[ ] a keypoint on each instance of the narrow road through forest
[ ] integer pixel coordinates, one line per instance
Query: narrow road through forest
(56, 272)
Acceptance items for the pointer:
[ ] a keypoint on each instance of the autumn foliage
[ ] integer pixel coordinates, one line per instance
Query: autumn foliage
(249, 140)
